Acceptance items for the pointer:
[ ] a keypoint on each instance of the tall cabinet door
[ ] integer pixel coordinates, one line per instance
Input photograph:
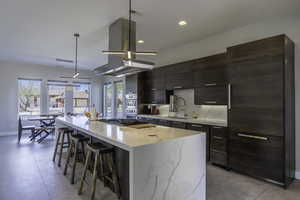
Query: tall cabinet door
(255, 72)
(256, 120)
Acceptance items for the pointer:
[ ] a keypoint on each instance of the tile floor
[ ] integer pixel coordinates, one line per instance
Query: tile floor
(27, 173)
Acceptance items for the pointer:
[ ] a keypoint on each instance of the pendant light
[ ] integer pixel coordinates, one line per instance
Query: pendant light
(76, 72)
(129, 53)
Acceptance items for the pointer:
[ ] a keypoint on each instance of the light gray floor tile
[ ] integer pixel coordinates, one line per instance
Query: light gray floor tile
(28, 173)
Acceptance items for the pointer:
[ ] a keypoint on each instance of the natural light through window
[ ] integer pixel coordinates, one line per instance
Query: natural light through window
(56, 94)
(81, 98)
(29, 94)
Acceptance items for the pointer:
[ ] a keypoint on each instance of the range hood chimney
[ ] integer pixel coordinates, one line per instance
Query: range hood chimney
(119, 65)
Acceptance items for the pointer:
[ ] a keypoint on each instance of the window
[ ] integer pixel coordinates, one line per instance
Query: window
(29, 97)
(107, 100)
(56, 94)
(81, 97)
(119, 98)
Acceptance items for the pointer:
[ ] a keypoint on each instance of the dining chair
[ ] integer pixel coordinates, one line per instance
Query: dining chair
(22, 128)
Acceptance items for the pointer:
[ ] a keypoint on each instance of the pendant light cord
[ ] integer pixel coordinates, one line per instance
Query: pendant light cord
(129, 37)
(76, 51)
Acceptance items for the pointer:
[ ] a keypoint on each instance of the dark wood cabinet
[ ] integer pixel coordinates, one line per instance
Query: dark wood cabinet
(179, 76)
(154, 96)
(219, 138)
(154, 79)
(177, 124)
(159, 79)
(256, 82)
(211, 95)
(163, 122)
(152, 84)
(210, 70)
(261, 116)
(257, 155)
(219, 145)
(148, 120)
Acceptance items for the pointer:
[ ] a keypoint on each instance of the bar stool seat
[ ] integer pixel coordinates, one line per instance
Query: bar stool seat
(76, 142)
(104, 160)
(61, 143)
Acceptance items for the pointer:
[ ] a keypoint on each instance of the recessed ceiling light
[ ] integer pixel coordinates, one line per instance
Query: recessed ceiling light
(182, 23)
(141, 41)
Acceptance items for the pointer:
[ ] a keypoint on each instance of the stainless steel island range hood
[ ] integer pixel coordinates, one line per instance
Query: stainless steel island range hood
(122, 65)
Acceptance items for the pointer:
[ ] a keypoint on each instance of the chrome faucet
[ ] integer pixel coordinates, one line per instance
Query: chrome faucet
(173, 102)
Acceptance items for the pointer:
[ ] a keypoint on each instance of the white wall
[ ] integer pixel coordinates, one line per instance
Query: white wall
(218, 44)
(10, 72)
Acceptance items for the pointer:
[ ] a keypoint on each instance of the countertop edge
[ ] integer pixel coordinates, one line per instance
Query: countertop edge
(113, 142)
(183, 120)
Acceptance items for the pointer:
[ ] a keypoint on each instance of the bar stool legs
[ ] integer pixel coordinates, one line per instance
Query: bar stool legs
(56, 145)
(75, 140)
(61, 149)
(103, 157)
(61, 144)
(87, 161)
(113, 171)
(95, 174)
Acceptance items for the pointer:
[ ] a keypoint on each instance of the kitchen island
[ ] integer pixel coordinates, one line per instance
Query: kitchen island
(155, 163)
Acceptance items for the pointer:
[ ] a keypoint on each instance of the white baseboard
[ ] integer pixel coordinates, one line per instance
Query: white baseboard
(8, 133)
(297, 175)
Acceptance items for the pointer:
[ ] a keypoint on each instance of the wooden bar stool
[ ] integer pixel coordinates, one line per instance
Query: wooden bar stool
(104, 160)
(76, 147)
(61, 143)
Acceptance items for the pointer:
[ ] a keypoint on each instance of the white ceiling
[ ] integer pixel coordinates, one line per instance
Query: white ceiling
(39, 31)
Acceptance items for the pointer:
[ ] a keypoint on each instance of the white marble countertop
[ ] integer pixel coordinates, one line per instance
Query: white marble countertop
(122, 136)
(188, 120)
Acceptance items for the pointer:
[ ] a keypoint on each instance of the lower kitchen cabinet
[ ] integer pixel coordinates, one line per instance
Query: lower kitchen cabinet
(219, 157)
(219, 145)
(177, 124)
(257, 155)
(148, 120)
(163, 122)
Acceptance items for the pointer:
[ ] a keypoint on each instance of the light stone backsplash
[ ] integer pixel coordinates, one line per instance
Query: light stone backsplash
(204, 112)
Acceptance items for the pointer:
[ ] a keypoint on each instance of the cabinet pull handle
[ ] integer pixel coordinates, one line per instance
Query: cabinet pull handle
(153, 89)
(177, 87)
(229, 96)
(210, 102)
(218, 138)
(197, 126)
(210, 84)
(217, 127)
(252, 136)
